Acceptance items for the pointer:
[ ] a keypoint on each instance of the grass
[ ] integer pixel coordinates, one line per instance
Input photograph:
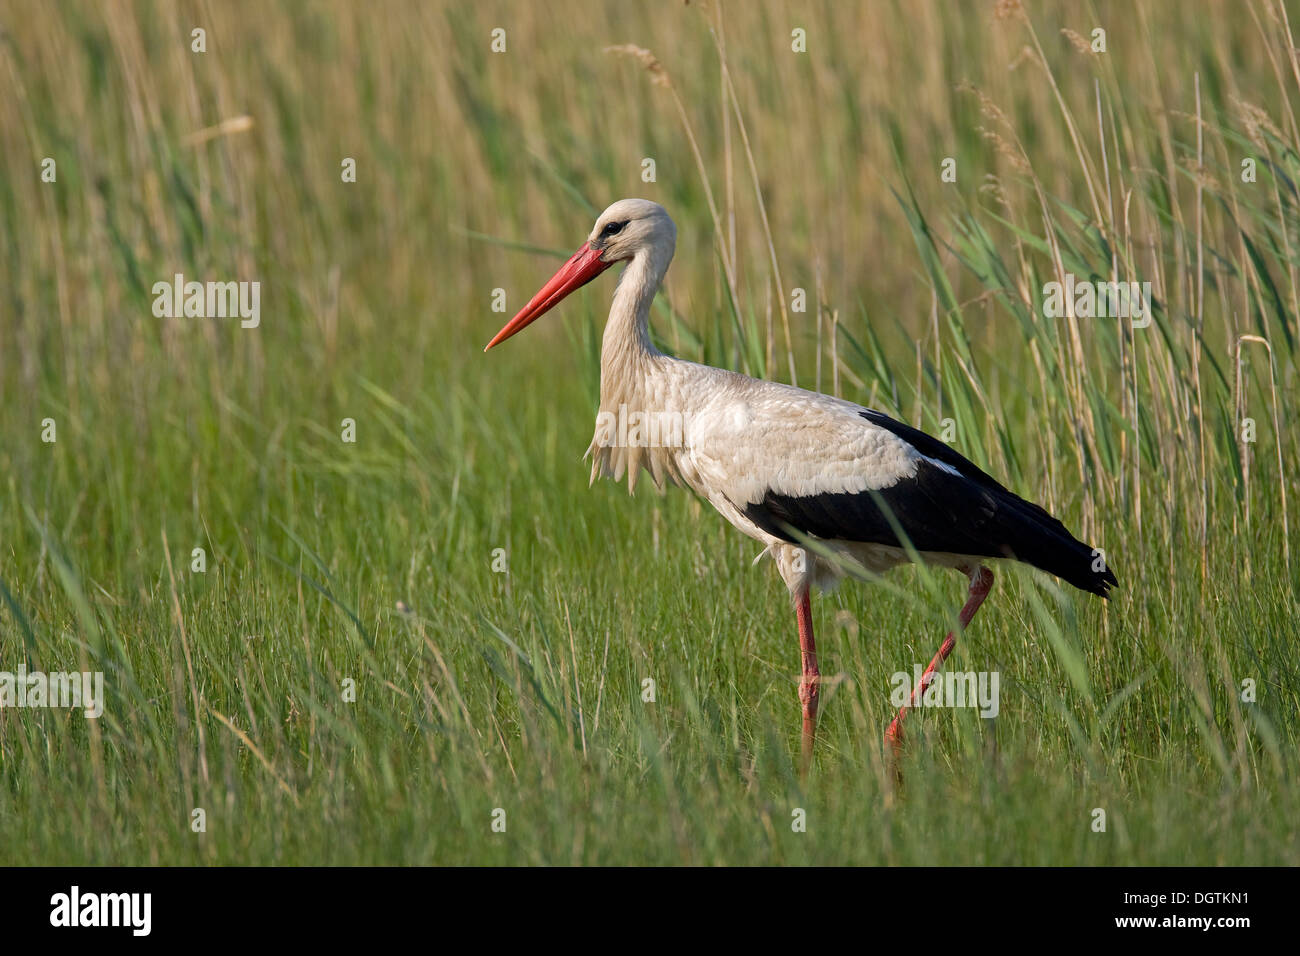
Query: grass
(372, 562)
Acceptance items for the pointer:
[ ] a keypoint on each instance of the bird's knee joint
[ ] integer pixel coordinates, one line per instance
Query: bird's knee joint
(809, 690)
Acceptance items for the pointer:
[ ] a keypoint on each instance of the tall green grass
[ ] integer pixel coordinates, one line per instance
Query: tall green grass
(373, 562)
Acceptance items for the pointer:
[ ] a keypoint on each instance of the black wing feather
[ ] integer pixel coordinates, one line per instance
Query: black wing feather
(967, 513)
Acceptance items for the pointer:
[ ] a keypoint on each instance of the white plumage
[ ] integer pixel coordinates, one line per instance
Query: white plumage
(744, 437)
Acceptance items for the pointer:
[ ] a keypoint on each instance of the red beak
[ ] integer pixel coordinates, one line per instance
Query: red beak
(583, 266)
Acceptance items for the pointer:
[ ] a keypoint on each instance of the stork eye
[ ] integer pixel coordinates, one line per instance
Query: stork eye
(612, 228)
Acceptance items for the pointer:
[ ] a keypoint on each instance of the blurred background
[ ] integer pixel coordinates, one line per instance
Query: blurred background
(798, 147)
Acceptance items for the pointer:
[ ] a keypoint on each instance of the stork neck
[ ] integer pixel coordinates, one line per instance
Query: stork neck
(627, 332)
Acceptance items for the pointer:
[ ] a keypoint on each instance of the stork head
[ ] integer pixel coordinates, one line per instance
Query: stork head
(628, 228)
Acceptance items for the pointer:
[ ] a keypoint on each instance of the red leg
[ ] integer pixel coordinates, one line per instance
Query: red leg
(809, 684)
(980, 582)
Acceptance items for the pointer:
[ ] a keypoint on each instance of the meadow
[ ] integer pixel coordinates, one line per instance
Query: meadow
(430, 644)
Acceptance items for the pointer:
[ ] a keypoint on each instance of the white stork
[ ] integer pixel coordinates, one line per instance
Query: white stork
(793, 468)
